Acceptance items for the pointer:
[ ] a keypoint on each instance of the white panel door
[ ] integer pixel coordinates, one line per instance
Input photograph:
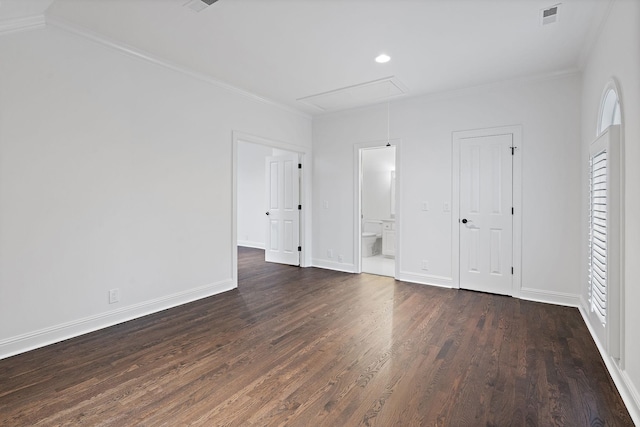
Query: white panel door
(283, 215)
(486, 219)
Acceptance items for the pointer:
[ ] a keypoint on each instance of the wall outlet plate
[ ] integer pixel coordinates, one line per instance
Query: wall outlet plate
(114, 296)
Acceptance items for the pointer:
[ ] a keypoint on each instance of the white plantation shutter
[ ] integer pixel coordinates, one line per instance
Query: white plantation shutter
(598, 235)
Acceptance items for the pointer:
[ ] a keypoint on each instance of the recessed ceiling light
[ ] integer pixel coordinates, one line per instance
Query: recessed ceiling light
(381, 59)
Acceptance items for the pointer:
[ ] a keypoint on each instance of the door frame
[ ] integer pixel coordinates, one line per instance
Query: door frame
(516, 132)
(357, 197)
(304, 155)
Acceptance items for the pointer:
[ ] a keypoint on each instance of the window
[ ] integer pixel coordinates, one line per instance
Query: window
(610, 110)
(598, 234)
(605, 287)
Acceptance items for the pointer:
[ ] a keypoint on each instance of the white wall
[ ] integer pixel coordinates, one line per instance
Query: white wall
(617, 54)
(115, 172)
(549, 112)
(251, 194)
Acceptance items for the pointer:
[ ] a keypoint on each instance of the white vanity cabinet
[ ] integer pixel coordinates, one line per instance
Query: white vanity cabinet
(388, 237)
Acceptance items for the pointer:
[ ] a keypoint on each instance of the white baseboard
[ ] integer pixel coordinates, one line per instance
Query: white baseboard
(332, 265)
(626, 388)
(550, 297)
(250, 244)
(426, 279)
(43, 337)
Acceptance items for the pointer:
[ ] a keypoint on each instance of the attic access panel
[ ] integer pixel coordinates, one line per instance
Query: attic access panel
(357, 95)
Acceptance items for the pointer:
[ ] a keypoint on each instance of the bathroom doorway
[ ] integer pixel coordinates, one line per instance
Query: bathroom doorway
(377, 214)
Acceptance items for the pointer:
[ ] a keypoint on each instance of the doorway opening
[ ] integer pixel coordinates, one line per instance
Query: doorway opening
(376, 225)
(268, 200)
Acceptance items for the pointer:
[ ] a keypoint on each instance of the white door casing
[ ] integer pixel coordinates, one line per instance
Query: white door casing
(282, 213)
(485, 210)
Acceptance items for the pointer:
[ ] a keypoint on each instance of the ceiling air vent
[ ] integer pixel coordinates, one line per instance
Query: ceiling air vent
(199, 5)
(549, 15)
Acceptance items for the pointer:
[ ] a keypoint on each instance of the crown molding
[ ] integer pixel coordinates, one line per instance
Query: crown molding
(22, 24)
(149, 57)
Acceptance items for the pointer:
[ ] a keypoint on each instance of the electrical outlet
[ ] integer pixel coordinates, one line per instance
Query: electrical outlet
(329, 253)
(114, 296)
(325, 204)
(425, 264)
(340, 258)
(425, 206)
(446, 207)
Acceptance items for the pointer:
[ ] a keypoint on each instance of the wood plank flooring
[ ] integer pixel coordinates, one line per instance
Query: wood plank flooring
(311, 347)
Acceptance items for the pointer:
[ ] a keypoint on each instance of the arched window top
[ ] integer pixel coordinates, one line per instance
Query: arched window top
(610, 113)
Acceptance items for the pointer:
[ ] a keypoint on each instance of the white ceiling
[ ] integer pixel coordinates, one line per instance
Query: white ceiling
(284, 50)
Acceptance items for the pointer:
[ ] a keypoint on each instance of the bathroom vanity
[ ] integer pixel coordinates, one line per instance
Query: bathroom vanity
(389, 237)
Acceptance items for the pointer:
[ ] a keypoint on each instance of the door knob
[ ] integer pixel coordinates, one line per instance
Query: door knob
(267, 213)
(464, 221)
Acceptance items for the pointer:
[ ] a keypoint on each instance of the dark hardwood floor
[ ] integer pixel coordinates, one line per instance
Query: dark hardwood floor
(312, 347)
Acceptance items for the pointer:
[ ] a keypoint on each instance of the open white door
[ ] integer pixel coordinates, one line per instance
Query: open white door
(486, 215)
(283, 213)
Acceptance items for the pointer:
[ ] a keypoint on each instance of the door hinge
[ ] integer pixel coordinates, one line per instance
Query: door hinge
(299, 207)
(511, 270)
(299, 165)
(512, 211)
(299, 248)
(513, 150)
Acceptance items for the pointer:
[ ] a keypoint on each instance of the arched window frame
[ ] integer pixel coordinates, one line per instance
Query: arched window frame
(608, 116)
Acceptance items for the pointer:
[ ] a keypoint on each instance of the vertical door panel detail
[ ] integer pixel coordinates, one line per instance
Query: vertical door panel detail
(273, 184)
(496, 180)
(288, 245)
(495, 253)
(475, 178)
(288, 185)
(474, 249)
(274, 235)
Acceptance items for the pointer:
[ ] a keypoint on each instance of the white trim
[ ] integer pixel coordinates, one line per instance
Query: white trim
(426, 279)
(22, 24)
(613, 85)
(516, 131)
(624, 384)
(620, 163)
(305, 195)
(46, 336)
(550, 297)
(250, 244)
(357, 199)
(149, 57)
(332, 265)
